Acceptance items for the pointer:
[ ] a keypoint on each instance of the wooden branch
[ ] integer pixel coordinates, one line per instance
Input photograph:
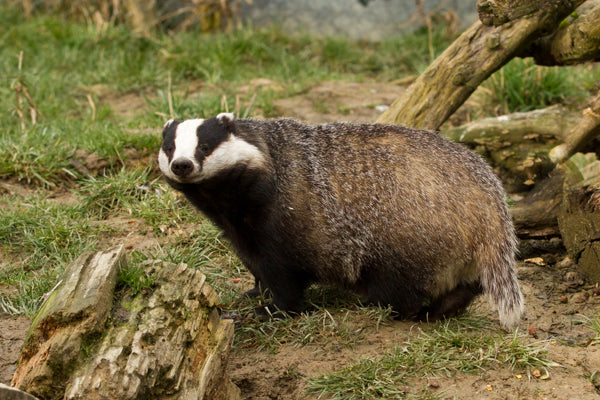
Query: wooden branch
(580, 133)
(515, 128)
(498, 12)
(472, 58)
(576, 41)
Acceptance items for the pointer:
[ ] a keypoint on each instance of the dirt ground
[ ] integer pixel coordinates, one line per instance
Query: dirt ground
(555, 298)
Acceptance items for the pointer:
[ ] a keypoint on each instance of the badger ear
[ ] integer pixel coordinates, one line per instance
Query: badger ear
(167, 125)
(226, 119)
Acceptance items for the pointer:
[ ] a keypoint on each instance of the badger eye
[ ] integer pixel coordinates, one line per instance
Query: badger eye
(168, 148)
(204, 148)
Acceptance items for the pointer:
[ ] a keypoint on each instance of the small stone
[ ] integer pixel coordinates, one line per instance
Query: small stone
(532, 331)
(565, 263)
(570, 276)
(579, 298)
(564, 299)
(433, 383)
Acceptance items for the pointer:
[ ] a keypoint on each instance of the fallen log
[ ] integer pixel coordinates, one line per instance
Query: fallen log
(94, 340)
(518, 144)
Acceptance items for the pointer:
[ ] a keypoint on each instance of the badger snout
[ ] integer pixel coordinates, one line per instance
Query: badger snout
(182, 167)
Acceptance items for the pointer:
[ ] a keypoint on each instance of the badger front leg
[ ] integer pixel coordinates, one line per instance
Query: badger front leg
(286, 287)
(256, 291)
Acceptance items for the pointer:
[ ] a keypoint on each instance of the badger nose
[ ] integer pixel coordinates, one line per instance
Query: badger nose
(182, 167)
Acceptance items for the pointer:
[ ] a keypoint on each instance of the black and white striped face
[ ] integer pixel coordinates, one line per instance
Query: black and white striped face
(197, 149)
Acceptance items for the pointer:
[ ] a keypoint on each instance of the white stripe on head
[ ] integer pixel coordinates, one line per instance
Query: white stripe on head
(231, 152)
(186, 139)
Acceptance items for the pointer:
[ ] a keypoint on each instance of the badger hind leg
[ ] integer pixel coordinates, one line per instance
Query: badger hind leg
(452, 303)
(405, 298)
(256, 291)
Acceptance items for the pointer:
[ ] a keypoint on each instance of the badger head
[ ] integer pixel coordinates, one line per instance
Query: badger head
(195, 150)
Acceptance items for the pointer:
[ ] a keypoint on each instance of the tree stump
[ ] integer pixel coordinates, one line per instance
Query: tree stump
(166, 341)
(579, 221)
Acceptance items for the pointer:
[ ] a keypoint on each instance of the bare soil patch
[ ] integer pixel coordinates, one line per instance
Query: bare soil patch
(261, 375)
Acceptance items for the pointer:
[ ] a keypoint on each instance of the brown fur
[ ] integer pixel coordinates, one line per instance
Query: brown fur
(418, 221)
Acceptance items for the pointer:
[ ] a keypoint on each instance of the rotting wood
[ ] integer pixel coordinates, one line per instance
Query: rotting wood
(75, 311)
(579, 220)
(165, 342)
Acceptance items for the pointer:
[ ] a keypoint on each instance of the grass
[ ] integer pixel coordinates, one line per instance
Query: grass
(68, 69)
(460, 345)
(38, 238)
(523, 86)
(332, 319)
(593, 323)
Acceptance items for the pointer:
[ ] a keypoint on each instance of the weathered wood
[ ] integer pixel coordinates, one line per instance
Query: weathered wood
(467, 62)
(165, 342)
(74, 312)
(575, 42)
(547, 123)
(579, 134)
(579, 221)
(537, 214)
(498, 12)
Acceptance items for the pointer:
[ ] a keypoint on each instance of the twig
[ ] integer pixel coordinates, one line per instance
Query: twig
(249, 108)
(20, 89)
(170, 97)
(92, 106)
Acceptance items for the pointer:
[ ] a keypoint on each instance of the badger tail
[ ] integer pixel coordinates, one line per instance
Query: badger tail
(498, 276)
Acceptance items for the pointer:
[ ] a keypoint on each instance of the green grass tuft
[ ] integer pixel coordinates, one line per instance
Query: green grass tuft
(458, 345)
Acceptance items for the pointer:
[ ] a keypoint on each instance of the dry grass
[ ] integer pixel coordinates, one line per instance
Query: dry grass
(144, 16)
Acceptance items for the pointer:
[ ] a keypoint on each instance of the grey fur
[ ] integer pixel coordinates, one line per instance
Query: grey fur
(401, 215)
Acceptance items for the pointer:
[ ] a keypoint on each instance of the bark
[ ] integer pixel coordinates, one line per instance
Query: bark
(576, 41)
(548, 123)
(166, 342)
(472, 58)
(579, 222)
(498, 12)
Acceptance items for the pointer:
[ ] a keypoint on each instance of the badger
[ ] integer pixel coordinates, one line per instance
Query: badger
(402, 216)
